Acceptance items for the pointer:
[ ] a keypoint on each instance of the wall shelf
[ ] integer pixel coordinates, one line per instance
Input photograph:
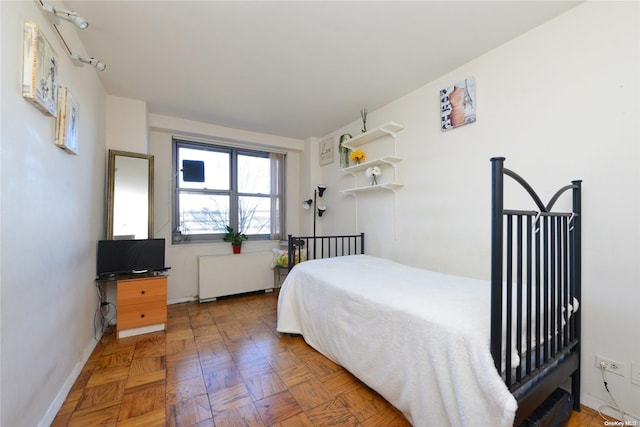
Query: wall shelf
(391, 186)
(390, 128)
(385, 160)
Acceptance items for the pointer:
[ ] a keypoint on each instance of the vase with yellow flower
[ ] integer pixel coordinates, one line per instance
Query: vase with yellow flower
(357, 156)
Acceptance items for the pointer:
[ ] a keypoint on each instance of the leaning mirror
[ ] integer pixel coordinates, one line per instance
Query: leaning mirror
(129, 195)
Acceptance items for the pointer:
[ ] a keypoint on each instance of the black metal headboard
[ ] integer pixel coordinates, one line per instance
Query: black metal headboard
(316, 247)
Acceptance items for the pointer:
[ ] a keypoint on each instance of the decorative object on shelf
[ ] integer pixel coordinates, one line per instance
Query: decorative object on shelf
(357, 156)
(326, 151)
(373, 173)
(319, 208)
(40, 70)
(457, 104)
(363, 114)
(67, 121)
(235, 238)
(344, 151)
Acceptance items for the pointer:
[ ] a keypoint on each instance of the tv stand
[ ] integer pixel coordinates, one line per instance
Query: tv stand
(142, 304)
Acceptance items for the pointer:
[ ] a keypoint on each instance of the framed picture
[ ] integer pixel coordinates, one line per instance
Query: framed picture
(40, 68)
(67, 121)
(326, 151)
(458, 104)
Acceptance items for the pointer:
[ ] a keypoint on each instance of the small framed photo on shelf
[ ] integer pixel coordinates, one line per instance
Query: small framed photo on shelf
(326, 151)
(40, 68)
(67, 121)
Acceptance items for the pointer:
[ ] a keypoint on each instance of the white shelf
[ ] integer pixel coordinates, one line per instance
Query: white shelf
(386, 160)
(391, 186)
(390, 128)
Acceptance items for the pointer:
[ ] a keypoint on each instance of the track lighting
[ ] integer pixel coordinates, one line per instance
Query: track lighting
(67, 15)
(321, 209)
(78, 21)
(92, 61)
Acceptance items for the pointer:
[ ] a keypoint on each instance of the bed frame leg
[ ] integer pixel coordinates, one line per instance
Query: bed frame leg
(575, 389)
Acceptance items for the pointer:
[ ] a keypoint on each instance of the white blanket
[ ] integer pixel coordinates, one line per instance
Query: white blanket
(419, 338)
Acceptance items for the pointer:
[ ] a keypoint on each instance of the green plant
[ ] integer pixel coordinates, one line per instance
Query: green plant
(235, 237)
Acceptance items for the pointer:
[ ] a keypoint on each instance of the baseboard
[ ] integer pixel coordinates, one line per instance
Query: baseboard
(181, 300)
(57, 403)
(595, 403)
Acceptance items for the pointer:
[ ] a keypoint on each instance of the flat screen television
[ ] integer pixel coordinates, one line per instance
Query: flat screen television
(116, 257)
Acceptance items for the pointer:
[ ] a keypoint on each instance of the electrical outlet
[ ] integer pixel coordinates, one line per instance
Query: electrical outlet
(635, 373)
(610, 365)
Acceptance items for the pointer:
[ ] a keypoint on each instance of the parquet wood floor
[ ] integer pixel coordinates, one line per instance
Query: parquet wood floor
(223, 364)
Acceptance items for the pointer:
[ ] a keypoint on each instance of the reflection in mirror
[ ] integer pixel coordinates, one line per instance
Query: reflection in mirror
(130, 196)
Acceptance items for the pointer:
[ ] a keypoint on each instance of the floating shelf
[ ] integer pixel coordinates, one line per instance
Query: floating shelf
(386, 160)
(390, 128)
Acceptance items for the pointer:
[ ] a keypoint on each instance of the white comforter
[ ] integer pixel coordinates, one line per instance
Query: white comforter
(419, 338)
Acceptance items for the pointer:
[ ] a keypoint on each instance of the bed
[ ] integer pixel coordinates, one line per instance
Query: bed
(448, 350)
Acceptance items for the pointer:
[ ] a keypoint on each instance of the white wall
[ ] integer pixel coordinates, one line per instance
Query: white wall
(560, 103)
(183, 258)
(127, 128)
(52, 213)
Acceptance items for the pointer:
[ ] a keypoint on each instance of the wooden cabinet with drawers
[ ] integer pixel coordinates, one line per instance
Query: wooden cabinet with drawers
(142, 305)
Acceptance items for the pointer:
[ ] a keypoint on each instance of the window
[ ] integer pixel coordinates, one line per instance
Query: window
(217, 185)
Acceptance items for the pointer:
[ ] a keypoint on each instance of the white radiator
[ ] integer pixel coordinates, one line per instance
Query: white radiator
(220, 275)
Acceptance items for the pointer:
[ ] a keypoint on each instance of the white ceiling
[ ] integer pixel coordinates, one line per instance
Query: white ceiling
(296, 68)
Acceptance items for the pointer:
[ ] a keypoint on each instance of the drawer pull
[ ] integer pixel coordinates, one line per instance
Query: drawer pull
(142, 315)
(142, 292)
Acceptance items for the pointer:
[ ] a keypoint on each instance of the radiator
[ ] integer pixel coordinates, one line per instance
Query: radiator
(220, 275)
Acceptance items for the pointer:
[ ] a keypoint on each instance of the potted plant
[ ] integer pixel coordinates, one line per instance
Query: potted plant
(235, 238)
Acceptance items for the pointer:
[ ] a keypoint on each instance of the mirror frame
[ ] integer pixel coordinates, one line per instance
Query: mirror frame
(111, 188)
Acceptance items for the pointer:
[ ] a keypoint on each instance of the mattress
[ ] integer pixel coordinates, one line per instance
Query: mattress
(417, 337)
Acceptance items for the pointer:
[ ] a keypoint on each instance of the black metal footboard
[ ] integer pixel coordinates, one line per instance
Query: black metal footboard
(317, 247)
(535, 294)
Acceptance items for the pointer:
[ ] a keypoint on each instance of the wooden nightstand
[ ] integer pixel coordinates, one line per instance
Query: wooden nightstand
(142, 305)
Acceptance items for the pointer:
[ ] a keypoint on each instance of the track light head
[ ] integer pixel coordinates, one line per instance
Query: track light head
(91, 61)
(307, 203)
(321, 209)
(68, 15)
(321, 189)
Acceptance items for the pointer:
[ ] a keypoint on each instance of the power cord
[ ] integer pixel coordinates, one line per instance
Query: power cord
(102, 319)
(615, 405)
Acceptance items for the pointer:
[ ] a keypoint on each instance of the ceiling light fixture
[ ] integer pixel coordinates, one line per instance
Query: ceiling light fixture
(91, 61)
(68, 15)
